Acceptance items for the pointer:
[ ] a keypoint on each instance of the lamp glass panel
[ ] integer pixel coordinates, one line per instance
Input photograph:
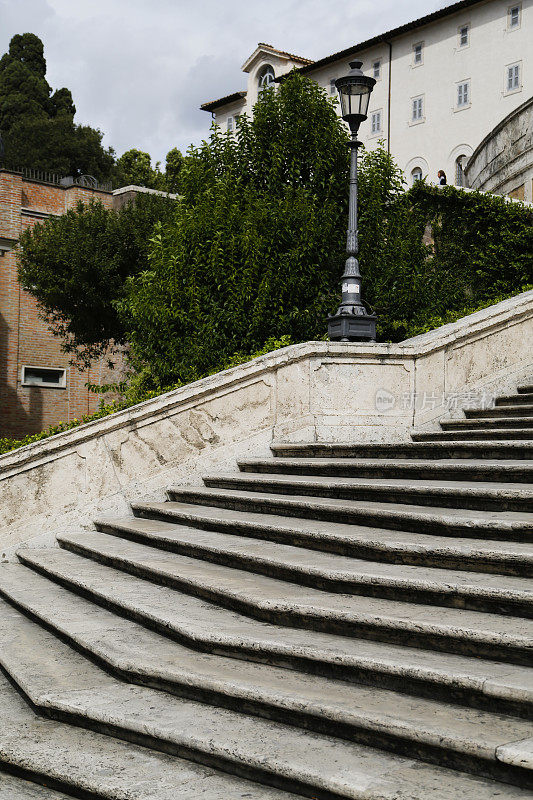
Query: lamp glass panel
(355, 99)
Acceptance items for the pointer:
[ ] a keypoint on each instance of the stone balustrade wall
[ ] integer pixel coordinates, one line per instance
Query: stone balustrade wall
(316, 391)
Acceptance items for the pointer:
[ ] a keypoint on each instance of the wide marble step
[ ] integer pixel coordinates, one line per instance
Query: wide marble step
(506, 525)
(499, 411)
(15, 788)
(505, 471)
(190, 663)
(375, 544)
(330, 572)
(489, 745)
(523, 397)
(486, 635)
(492, 422)
(472, 433)
(415, 449)
(131, 651)
(483, 496)
(84, 763)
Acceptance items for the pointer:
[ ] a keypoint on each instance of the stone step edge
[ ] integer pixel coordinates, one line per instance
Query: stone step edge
(15, 785)
(394, 518)
(404, 589)
(514, 399)
(461, 445)
(54, 787)
(481, 471)
(473, 435)
(497, 695)
(48, 707)
(502, 410)
(487, 422)
(441, 557)
(500, 765)
(391, 630)
(478, 498)
(440, 449)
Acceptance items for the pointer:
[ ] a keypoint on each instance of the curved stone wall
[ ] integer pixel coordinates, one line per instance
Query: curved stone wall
(503, 162)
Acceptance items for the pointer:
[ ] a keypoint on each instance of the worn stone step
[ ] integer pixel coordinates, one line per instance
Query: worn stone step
(499, 411)
(15, 788)
(487, 635)
(416, 449)
(525, 388)
(419, 469)
(267, 751)
(485, 744)
(87, 764)
(443, 494)
(507, 525)
(375, 544)
(472, 423)
(334, 573)
(524, 397)
(257, 649)
(473, 434)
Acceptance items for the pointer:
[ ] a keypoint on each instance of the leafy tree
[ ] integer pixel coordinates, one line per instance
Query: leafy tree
(173, 166)
(257, 244)
(134, 167)
(76, 266)
(60, 146)
(38, 127)
(253, 251)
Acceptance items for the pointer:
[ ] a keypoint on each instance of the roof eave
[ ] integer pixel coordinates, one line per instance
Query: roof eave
(384, 38)
(223, 101)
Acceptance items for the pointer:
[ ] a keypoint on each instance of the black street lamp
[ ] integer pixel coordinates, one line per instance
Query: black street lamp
(352, 322)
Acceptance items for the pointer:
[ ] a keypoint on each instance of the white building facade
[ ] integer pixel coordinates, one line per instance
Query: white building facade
(443, 83)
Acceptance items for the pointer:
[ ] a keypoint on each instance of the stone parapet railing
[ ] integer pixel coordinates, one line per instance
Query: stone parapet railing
(503, 161)
(316, 391)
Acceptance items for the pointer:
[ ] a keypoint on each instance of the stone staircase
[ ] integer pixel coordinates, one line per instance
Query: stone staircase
(338, 621)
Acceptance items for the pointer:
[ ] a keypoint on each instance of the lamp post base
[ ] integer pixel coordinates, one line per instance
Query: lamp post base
(352, 328)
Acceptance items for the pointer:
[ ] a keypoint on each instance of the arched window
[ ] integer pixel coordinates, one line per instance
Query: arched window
(416, 175)
(460, 177)
(266, 78)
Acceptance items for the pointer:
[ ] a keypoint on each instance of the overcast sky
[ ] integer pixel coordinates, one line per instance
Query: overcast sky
(139, 69)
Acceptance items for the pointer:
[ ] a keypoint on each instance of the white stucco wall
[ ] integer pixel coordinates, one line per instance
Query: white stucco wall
(446, 132)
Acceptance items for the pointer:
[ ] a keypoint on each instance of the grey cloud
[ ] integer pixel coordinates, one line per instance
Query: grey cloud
(139, 69)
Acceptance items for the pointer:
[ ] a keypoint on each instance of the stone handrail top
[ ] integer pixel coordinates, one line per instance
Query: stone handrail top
(467, 328)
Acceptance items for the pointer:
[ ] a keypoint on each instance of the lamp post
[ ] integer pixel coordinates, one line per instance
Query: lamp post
(352, 322)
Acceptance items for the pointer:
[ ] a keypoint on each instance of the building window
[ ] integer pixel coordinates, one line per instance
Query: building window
(464, 36)
(44, 376)
(418, 54)
(332, 87)
(463, 94)
(417, 109)
(513, 77)
(376, 122)
(376, 70)
(514, 14)
(460, 178)
(266, 78)
(229, 125)
(416, 175)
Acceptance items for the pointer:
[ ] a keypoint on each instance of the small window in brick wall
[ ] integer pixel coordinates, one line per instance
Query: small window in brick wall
(48, 377)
